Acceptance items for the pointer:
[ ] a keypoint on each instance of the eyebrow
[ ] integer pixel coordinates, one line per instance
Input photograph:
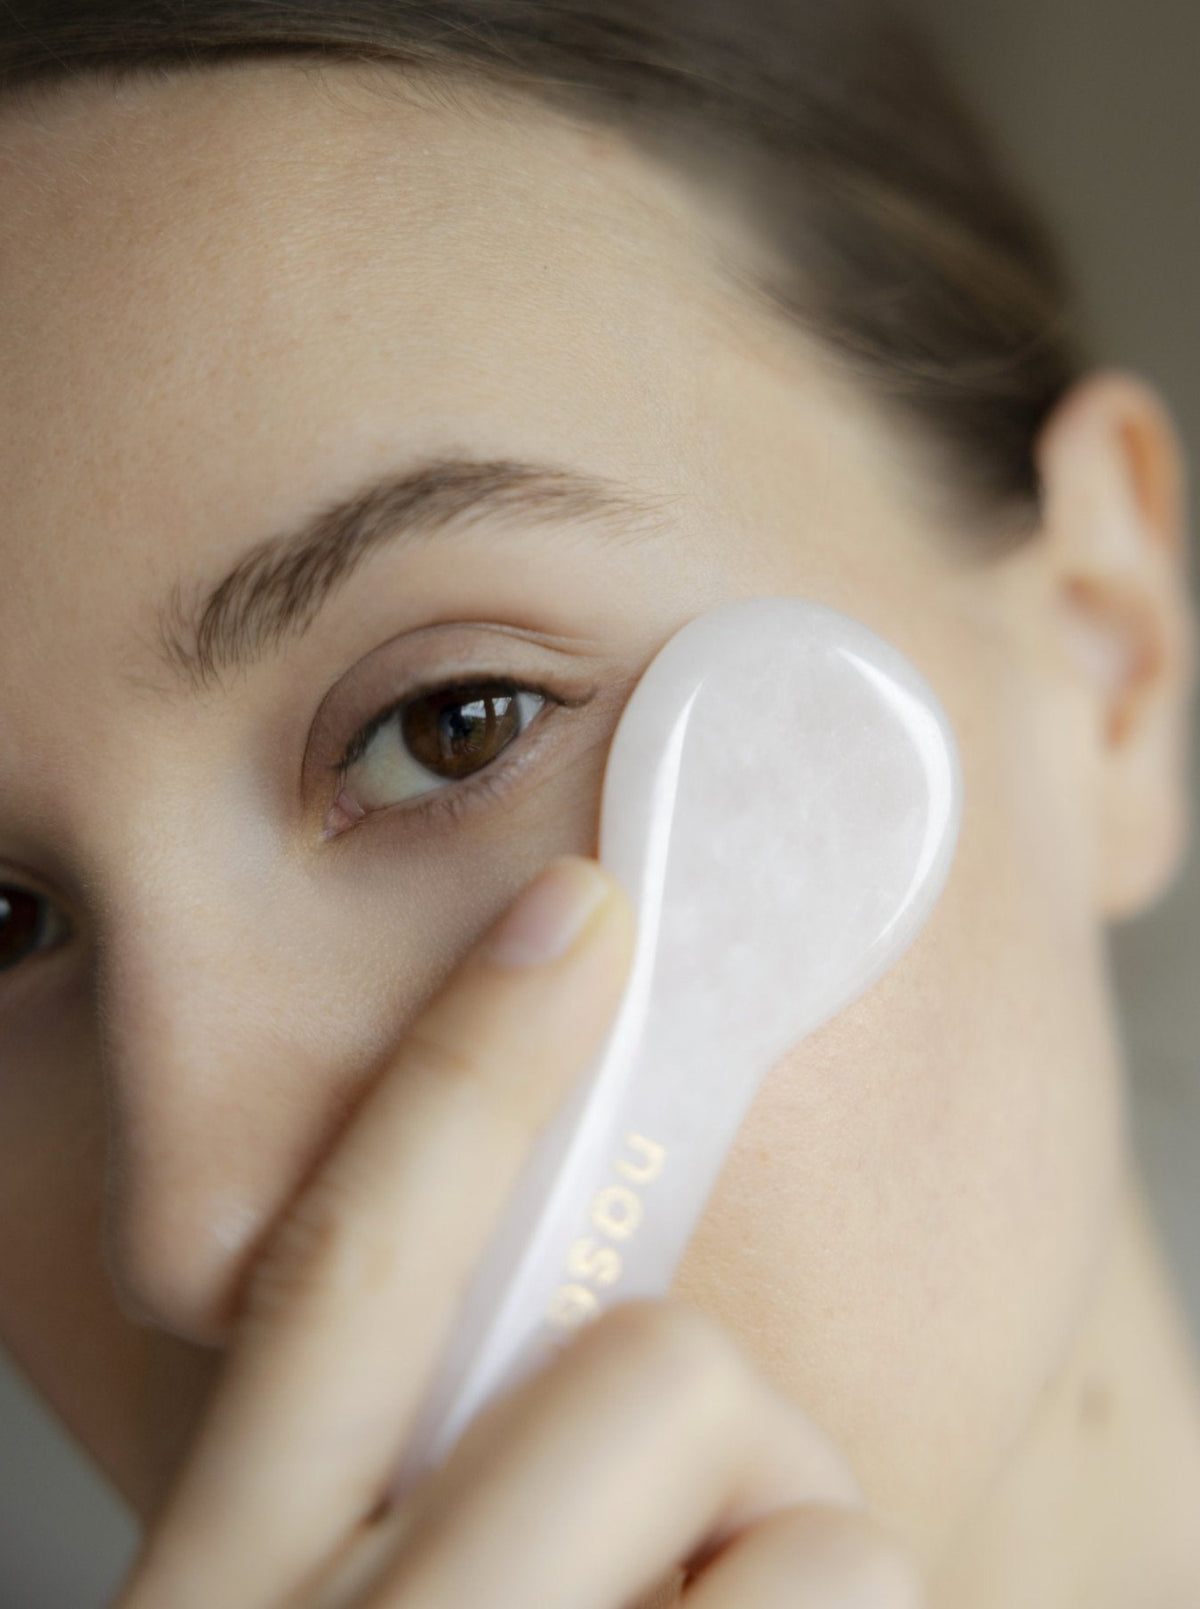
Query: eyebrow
(277, 588)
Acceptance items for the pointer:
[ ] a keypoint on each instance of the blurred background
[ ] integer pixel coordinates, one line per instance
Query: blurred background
(1095, 102)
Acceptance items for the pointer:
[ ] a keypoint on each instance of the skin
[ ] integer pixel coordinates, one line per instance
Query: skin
(225, 302)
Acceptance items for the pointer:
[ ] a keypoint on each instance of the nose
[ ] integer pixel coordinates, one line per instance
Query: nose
(233, 1047)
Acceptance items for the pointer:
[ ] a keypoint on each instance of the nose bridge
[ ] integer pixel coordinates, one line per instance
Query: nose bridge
(171, 952)
(221, 1076)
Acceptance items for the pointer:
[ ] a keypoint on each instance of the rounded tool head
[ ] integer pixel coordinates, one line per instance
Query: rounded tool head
(781, 803)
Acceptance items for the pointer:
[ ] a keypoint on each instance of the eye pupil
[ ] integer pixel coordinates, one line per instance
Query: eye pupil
(455, 731)
(20, 925)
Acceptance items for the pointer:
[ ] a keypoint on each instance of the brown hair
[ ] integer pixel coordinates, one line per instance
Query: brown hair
(900, 242)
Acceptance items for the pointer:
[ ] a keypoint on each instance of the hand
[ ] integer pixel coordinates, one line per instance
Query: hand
(649, 1442)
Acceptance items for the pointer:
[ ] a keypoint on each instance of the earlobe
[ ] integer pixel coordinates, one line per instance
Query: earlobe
(1115, 535)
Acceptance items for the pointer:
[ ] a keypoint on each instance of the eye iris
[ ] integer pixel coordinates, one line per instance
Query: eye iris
(20, 925)
(456, 731)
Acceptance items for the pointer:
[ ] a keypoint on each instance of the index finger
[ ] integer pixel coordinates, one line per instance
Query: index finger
(349, 1307)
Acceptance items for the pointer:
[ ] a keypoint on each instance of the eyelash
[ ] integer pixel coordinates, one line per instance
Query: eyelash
(453, 799)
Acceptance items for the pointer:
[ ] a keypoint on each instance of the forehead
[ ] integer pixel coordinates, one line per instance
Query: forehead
(230, 299)
(212, 283)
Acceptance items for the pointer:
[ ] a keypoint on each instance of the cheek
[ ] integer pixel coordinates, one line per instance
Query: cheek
(907, 1227)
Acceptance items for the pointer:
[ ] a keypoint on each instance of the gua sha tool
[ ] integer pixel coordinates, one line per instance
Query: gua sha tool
(781, 804)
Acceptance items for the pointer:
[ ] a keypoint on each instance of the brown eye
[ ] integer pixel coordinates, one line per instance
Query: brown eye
(432, 741)
(455, 731)
(28, 923)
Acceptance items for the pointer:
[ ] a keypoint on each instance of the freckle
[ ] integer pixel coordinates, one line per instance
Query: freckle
(1096, 1404)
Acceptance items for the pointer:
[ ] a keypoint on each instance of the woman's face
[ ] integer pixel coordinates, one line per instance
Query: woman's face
(233, 302)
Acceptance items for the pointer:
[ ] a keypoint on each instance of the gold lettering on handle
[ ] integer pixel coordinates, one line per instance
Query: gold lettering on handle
(588, 1259)
(616, 1211)
(653, 1153)
(571, 1305)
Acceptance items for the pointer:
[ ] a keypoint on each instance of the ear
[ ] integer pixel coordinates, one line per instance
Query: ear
(1115, 530)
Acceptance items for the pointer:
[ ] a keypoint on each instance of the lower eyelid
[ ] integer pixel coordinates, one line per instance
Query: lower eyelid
(457, 798)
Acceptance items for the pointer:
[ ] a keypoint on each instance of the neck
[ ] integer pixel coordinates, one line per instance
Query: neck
(1100, 1508)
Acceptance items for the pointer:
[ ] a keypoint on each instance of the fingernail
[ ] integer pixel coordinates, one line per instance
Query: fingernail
(548, 916)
